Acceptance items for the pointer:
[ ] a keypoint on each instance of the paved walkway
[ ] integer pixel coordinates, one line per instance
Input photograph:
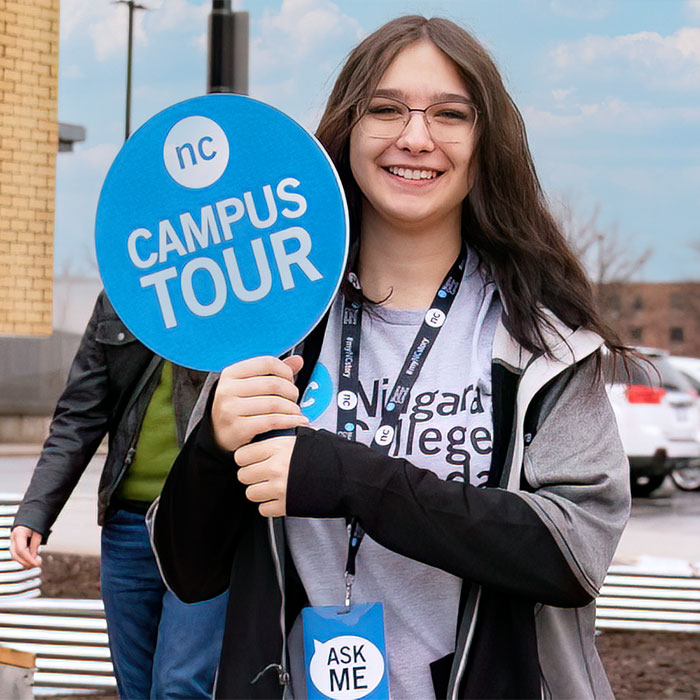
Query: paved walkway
(76, 530)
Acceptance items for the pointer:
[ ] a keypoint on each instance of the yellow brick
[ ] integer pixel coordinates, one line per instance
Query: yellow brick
(18, 249)
(43, 24)
(10, 21)
(36, 228)
(28, 101)
(30, 81)
(21, 64)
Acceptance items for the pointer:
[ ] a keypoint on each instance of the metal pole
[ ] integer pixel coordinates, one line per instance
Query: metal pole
(127, 119)
(132, 5)
(227, 64)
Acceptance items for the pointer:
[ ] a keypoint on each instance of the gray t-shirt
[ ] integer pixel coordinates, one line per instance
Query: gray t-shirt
(446, 428)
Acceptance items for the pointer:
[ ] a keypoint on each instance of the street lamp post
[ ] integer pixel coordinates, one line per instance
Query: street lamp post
(228, 49)
(132, 6)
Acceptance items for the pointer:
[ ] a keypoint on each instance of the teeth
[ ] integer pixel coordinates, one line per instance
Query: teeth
(413, 174)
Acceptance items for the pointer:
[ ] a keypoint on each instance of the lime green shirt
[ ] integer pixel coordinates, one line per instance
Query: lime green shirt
(156, 448)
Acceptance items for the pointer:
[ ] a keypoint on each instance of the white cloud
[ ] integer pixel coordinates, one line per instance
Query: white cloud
(169, 15)
(91, 160)
(105, 23)
(304, 26)
(561, 95)
(693, 8)
(589, 10)
(671, 61)
(302, 30)
(296, 50)
(610, 114)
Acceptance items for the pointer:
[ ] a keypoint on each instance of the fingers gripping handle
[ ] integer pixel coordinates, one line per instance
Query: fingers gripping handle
(286, 432)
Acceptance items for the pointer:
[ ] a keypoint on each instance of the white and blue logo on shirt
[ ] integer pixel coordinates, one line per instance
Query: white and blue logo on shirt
(319, 393)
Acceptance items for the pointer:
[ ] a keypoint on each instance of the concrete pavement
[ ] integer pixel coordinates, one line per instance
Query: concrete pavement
(76, 530)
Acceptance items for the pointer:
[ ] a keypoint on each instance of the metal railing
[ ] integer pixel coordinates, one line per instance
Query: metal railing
(15, 581)
(649, 601)
(68, 637)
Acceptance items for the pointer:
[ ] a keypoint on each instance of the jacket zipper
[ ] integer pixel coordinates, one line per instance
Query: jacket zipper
(282, 671)
(454, 693)
(467, 644)
(129, 457)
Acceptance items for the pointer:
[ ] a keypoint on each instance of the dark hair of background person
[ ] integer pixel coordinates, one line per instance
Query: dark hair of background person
(505, 216)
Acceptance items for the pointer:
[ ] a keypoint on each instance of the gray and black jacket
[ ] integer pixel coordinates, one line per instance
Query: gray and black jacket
(109, 387)
(532, 548)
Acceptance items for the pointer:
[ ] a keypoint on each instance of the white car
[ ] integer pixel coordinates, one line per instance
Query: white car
(687, 477)
(658, 414)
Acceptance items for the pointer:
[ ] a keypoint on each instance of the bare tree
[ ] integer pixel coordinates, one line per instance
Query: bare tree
(73, 277)
(608, 256)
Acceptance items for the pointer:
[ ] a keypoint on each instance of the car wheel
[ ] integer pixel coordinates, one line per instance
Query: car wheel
(643, 484)
(687, 478)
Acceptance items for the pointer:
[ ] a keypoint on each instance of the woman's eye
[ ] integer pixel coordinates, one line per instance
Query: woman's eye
(454, 115)
(385, 110)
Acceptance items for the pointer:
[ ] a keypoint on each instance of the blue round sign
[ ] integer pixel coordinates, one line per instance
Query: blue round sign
(221, 232)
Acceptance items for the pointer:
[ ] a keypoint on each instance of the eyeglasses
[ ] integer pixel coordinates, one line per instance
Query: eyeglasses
(385, 118)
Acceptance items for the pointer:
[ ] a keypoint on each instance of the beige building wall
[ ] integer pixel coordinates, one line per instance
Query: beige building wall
(28, 145)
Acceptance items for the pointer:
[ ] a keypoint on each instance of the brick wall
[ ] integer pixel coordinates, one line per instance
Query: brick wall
(663, 315)
(28, 145)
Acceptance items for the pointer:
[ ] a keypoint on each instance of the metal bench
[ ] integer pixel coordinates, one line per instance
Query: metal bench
(68, 637)
(15, 582)
(649, 601)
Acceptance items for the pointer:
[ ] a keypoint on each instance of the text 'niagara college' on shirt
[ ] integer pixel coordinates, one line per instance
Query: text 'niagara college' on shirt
(446, 427)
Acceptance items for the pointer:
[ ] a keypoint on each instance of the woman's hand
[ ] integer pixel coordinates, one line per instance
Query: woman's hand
(24, 546)
(253, 397)
(264, 468)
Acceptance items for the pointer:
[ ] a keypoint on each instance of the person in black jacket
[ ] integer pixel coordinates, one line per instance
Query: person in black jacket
(160, 646)
(451, 409)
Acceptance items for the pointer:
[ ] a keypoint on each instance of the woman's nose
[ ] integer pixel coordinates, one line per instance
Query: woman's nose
(415, 136)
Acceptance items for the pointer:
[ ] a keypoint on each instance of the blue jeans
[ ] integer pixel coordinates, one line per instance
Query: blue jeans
(161, 647)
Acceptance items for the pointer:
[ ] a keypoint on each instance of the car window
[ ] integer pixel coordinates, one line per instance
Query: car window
(637, 372)
(672, 379)
(650, 371)
(695, 383)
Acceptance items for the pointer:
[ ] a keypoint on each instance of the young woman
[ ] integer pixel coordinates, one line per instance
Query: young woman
(471, 440)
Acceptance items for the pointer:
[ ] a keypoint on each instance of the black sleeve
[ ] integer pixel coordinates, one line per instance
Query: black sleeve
(201, 513)
(486, 535)
(79, 424)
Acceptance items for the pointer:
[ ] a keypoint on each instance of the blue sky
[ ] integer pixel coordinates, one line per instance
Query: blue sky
(610, 92)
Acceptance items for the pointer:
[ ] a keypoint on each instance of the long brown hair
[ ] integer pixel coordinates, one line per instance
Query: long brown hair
(505, 217)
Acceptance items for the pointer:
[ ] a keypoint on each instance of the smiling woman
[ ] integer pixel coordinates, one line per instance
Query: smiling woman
(455, 485)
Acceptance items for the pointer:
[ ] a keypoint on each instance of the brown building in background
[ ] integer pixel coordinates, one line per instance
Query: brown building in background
(663, 315)
(28, 146)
